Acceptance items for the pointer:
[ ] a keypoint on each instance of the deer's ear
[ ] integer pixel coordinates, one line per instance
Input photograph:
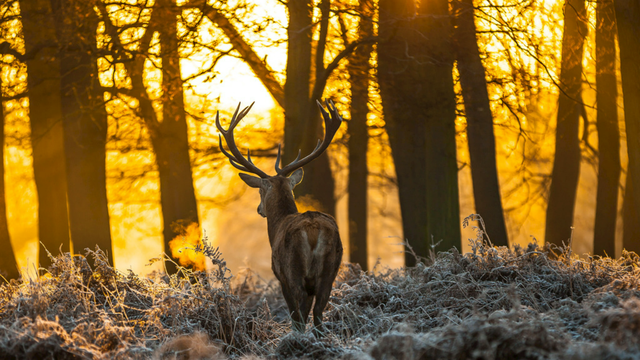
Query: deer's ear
(296, 177)
(253, 181)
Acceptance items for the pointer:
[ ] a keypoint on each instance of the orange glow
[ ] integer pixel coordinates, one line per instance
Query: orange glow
(182, 248)
(308, 203)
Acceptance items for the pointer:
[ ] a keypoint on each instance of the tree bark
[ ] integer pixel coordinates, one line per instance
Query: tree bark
(439, 104)
(628, 23)
(45, 118)
(415, 64)
(170, 140)
(358, 69)
(302, 121)
(482, 145)
(630, 229)
(405, 124)
(84, 125)
(8, 264)
(169, 134)
(566, 165)
(604, 233)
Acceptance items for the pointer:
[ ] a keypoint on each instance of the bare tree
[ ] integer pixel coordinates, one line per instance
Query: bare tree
(358, 68)
(45, 118)
(443, 208)
(8, 265)
(628, 23)
(482, 144)
(167, 129)
(404, 123)
(301, 116)
(84, 121)
(630, 229)
(566, 165)
(415, 62)
(604, 233)
(170, 137)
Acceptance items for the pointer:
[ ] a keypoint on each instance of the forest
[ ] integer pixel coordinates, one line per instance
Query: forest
(492, 144)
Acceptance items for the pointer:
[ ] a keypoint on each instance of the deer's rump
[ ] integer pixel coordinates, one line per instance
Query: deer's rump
(306, 244)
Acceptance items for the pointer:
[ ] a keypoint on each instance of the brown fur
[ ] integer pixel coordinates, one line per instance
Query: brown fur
(306, 251)
(306, 248)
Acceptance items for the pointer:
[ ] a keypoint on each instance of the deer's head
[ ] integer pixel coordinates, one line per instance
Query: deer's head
(276, 191)
(274, 188)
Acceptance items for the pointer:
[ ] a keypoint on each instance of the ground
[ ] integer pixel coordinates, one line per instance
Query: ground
(492, 303)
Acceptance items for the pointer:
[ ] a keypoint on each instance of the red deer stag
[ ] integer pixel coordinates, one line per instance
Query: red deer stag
(306, 247)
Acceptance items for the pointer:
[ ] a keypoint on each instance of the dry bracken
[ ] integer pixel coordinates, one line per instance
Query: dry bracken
(492, 303)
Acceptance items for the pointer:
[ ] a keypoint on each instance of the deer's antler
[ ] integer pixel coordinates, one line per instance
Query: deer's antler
(237, 160)
(332, 122)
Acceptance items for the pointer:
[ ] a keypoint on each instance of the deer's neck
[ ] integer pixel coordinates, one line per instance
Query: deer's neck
(279, 209)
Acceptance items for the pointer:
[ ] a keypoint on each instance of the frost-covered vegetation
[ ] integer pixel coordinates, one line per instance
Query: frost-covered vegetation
(492, 303)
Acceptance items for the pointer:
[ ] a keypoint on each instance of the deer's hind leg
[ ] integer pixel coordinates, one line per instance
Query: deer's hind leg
(323, 293)
(324, 285)
(306, 308)
(298, 305)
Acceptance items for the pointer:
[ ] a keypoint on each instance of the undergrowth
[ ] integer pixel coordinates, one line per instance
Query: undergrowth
(492, 303)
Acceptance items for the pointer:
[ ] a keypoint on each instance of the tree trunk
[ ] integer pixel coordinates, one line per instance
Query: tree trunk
(604, 233)
(630, 229)
(416, 85)
(482, 144)
(171, 140)
(45, 116)
(435, 53)
(358, 69)
(628, 23)
(84, 125)
(8, 264)
(405, 125)
(169, 135)
(302, 121)
(566, 165)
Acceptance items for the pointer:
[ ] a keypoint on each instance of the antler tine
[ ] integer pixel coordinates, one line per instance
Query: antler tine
(278, 169)
(234, 118)
(237, 117)
(235, 158)
(332, 122)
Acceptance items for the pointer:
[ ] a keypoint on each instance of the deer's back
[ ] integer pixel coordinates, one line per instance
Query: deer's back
(306, 244)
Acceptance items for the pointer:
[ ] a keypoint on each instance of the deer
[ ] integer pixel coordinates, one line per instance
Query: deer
(306, 250)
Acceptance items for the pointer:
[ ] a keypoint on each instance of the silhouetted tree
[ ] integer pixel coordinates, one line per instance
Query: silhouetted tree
(45, 118)
(415, 64)
(566, 165)
(405, 123)
(168, 134)
(439, 106)
(84, 121)
(170, 137)
(302, 122)
(628, 23)
(8, 265)
(604, 233)
(482, 144)
(630, 228)
(358, 69)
